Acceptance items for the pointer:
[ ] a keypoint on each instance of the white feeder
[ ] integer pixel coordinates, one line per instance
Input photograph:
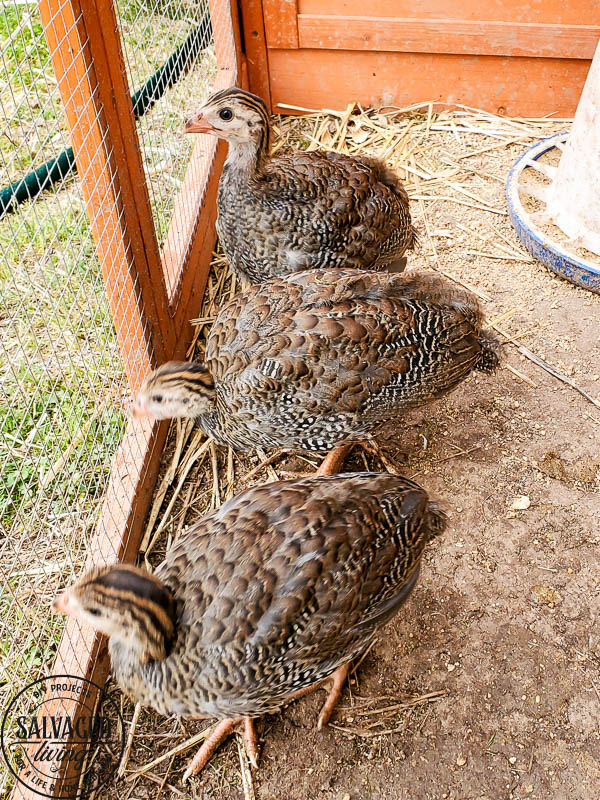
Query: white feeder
(572, 197)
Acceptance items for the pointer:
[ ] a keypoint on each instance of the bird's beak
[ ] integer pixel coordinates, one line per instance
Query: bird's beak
(197, 124)
(138, 411)
(62, 603)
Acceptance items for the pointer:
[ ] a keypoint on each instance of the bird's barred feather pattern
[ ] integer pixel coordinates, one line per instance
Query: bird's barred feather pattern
(303, 210)
(321, 358)
(279, 587)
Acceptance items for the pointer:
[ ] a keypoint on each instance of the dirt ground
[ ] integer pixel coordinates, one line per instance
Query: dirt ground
(492, 669)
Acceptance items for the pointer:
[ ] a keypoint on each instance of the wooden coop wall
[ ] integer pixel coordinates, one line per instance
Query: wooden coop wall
(153, 289)
(514, 57)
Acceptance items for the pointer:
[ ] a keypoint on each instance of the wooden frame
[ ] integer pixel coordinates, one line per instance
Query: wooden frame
(255, 48)
(152, 294)
(459, 37)
(506, 56)
(282, 30)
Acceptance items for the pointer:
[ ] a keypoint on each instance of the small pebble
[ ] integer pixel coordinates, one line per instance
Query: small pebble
(520, 503)
(461, 761)
(512, 760)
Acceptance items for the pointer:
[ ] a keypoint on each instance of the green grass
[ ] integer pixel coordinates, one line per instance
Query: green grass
(21, 33)
(63, 392)
(28, 93)
(58, 358)
(62, 384)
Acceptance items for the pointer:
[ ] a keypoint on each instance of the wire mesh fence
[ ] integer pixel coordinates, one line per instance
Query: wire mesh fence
(64, 389)
(168, 35)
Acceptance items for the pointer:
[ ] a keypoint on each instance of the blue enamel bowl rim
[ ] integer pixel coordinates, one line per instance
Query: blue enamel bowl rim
(568, 266)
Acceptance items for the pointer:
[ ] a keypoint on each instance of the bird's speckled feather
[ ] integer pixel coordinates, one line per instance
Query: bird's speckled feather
(325, 357)
(275, 590)
(303, 210)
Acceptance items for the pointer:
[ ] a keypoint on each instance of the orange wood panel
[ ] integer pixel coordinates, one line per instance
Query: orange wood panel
(281, 23)
(198, 220)
(255, 48)
(187, 211)
(447, 36)
(221, 14)
(239, 56)
(515, 86)
(569, 12)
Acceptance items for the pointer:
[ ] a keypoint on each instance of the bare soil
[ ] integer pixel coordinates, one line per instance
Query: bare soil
(503, 628)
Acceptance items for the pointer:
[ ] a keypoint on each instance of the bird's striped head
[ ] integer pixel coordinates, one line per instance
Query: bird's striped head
(177, 389)
(125, 603)
(235, 115)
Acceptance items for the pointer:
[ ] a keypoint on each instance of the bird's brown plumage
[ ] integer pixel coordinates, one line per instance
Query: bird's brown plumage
(302, 210)
(325, 357)
(268, 595)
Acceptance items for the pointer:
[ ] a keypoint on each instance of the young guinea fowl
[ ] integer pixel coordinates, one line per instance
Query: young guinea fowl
(323, 358)
(281, 214)
(262, 599)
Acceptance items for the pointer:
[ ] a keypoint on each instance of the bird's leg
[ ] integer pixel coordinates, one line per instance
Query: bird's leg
(333, 461)
(337, 680)
(224, 729)
(337, 685)
(250, 739)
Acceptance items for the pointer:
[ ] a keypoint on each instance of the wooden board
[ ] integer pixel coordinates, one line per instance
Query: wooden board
(520, 57)
(282, 27)
(514, 86)
(560, 12)
(198, 234)
(255, 49)
(462, 37)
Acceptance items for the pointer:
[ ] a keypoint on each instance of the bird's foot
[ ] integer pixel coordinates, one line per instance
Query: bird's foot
(333, 461)
(337, 680)
(224, 729)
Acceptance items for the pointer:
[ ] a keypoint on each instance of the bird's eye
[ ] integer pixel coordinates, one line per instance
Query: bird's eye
(157, 398)
(95, 612)
(226, 114)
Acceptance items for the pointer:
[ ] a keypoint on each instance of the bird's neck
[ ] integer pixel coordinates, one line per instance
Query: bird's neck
(136, 651)
(246, 159)
(211, 422)
(131, 660)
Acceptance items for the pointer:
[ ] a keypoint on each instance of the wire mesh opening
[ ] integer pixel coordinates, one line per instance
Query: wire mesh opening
(64, 391)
